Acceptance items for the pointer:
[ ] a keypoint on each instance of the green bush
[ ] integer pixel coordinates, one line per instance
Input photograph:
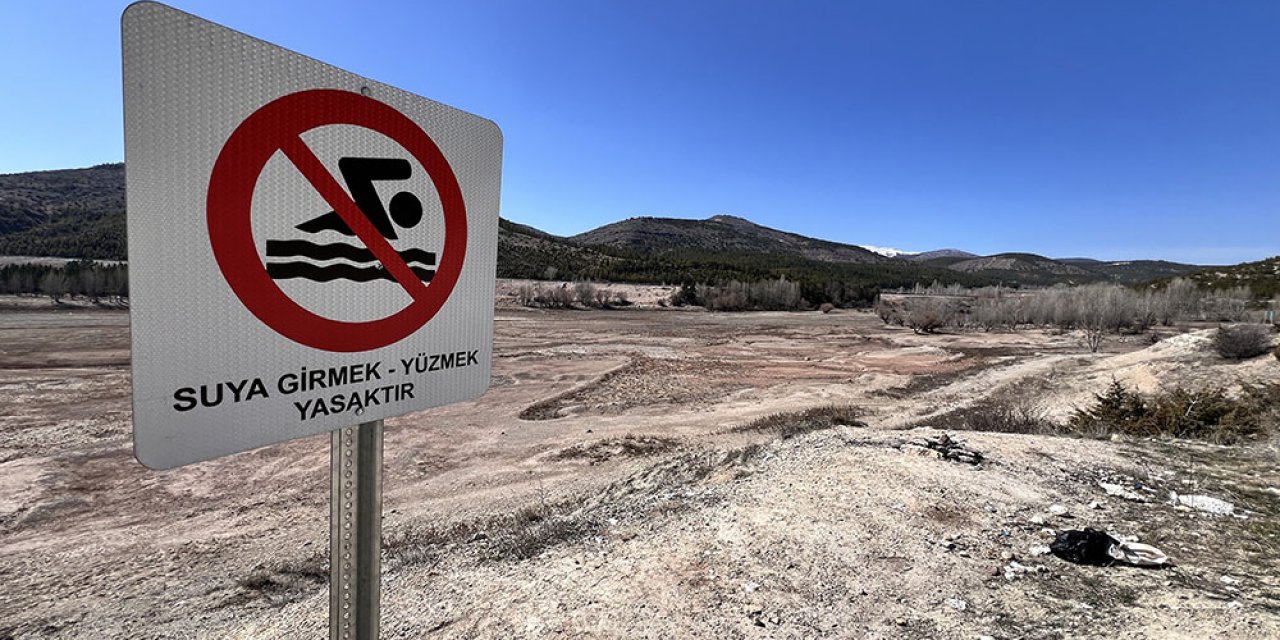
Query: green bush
(1208, 414)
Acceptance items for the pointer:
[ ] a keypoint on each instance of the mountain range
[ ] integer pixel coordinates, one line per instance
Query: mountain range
(79, 213)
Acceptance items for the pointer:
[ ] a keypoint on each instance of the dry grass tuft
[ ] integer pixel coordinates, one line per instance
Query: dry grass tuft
(628, 446)
(791, 424)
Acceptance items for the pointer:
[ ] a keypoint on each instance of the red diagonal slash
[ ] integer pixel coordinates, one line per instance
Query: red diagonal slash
(314, 171)
(278, 126)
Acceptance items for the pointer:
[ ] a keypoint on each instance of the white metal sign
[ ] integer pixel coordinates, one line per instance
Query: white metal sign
(308, 249)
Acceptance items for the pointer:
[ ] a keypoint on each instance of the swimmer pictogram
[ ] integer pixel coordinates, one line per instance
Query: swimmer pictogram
(356, 212)
(404, 211)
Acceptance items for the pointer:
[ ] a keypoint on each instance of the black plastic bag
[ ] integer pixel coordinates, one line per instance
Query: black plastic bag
(1085, 547)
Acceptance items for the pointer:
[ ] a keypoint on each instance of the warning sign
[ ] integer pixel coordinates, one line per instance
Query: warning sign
(308, 249)
(358, 210)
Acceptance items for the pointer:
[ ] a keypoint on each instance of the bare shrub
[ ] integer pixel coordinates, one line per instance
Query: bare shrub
(990, 313)
(586, 293)
(730, 297)
(888, 312)
(779, 294)
(552, 297)
(998, 416)
(1240, 341)
(928, 314)
(1102, 309)
(1227, 305)
(525, 295)
(1148, 308)
(686, 295)
(1182, 300)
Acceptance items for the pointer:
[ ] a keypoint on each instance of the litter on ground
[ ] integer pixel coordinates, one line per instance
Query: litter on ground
(1095, 547)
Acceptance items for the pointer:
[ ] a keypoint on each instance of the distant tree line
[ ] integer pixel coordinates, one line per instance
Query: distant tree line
(1096, 310)
(87, 279)
(568, 296)
(818, 282)
(762, 295)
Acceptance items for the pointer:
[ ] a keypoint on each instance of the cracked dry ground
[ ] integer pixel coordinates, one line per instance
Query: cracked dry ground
(559, 525)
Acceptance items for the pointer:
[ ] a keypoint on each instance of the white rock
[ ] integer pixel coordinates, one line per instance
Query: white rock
(956, 603)
(1206, 504)
(1119, 491)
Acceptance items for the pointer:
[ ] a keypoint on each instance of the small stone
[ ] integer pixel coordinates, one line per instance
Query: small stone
(750, 587)
(901, 622)
(1036, 520)
(1059, 510)
(956, 603)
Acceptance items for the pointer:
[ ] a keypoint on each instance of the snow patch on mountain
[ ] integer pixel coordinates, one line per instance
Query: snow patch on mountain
(888, 252)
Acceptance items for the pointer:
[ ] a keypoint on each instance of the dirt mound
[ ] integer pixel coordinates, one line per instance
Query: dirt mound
(851, 533)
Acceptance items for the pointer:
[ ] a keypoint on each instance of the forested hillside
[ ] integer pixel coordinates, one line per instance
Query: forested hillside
(71, 213)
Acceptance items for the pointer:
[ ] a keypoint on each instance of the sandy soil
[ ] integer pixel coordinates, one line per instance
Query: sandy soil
(497, 525)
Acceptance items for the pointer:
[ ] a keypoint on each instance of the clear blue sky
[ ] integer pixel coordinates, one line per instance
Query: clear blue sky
(1108, 129)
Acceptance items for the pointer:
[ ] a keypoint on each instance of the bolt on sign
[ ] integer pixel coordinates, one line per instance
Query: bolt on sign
(308, 249)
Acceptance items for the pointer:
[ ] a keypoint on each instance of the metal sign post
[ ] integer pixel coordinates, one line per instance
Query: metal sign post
(355, 531)
(307, 248)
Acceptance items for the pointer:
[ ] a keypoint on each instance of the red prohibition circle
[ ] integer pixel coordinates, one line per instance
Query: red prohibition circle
(278, 126)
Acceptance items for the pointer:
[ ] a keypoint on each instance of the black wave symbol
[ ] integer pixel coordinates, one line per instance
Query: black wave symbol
(304, 249)
(308, 271)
